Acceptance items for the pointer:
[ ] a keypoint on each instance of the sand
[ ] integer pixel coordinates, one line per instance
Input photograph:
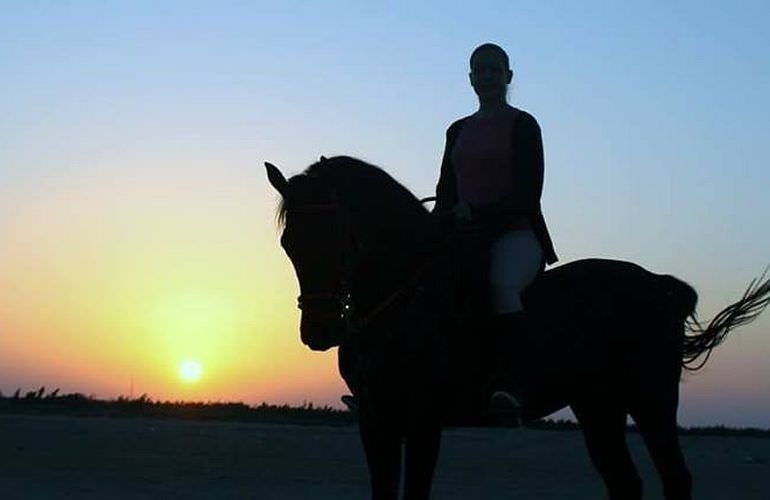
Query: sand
(48, 457)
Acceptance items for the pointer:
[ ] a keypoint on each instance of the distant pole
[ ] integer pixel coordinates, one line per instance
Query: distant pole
(131, 392)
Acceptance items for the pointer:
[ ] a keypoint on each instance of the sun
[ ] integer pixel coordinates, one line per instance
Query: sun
(190, 370)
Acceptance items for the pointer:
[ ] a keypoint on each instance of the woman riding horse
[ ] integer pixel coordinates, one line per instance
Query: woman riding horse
(492, 178)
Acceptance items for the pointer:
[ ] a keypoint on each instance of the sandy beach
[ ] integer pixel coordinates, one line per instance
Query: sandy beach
(49, 457)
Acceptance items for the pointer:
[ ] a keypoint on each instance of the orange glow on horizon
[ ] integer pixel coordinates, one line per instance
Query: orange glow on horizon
(127, 281)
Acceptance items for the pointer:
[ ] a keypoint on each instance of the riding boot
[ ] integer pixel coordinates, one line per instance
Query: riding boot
(509, 334)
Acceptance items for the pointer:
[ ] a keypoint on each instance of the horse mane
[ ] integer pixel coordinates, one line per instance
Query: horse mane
(360, 187)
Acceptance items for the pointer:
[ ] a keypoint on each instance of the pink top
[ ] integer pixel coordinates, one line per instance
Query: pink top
(482, 157)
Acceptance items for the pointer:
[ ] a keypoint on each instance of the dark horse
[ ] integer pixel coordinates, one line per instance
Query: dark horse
(610, 338)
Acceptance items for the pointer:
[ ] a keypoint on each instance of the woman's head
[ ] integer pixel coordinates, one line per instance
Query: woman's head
(490, 71)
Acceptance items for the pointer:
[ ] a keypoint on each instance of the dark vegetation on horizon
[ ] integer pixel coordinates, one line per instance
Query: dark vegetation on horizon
(80, 405)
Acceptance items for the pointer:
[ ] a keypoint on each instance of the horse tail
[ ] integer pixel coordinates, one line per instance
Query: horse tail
(681, 298)
(699, 341)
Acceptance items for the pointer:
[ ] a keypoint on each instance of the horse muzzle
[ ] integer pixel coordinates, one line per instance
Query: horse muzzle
(321, 334)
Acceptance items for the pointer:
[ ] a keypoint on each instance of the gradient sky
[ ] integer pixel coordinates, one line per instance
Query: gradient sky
(137, 228)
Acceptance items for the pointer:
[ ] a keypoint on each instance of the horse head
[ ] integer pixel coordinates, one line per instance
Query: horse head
(319, 246)
(333, 215)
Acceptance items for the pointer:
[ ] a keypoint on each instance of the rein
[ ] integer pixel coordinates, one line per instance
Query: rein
(344, 300)
(383, 305)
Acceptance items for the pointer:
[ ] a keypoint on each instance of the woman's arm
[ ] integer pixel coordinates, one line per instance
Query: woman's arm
(446, 189)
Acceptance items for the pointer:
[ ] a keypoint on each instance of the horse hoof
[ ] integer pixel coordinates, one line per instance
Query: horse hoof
(350, 401)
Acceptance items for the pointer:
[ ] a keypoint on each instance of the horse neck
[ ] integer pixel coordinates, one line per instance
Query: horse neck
(388, 264)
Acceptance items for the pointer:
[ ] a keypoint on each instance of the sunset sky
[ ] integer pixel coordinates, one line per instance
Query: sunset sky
(137, 228)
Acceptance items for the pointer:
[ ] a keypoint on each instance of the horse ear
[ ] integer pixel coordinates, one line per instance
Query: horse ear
(276, 178)
(323, 158)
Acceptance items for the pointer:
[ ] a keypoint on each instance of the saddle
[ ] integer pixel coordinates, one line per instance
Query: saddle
(461, 274)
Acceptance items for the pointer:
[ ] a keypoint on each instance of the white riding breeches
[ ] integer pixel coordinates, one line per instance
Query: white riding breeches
(516, 258)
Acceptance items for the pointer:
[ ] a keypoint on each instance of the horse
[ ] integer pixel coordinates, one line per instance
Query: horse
(610, 339)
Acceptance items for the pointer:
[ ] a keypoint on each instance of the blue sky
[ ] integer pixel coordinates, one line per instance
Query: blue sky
(654, 119)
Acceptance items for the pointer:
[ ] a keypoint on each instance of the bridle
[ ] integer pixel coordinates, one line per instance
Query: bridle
(339, 301)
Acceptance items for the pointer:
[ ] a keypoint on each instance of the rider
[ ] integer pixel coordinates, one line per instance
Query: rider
(492, 176)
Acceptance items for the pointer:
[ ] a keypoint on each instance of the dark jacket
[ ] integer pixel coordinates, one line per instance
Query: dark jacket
(527, 165)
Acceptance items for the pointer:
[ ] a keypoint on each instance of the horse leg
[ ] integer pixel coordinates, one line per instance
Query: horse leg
(421, 455)
(662, 441)
(604, 430)
(382, 446)
(655, 415)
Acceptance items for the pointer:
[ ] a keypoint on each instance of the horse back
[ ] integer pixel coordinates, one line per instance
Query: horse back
(597, 294)
(600, 321)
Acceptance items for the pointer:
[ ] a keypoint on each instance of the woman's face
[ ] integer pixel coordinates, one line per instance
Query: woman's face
(489, 76)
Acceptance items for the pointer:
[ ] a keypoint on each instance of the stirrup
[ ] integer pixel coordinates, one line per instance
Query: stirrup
(504, 404)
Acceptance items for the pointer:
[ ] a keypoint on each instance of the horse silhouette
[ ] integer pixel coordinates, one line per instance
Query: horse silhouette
(609, 338)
